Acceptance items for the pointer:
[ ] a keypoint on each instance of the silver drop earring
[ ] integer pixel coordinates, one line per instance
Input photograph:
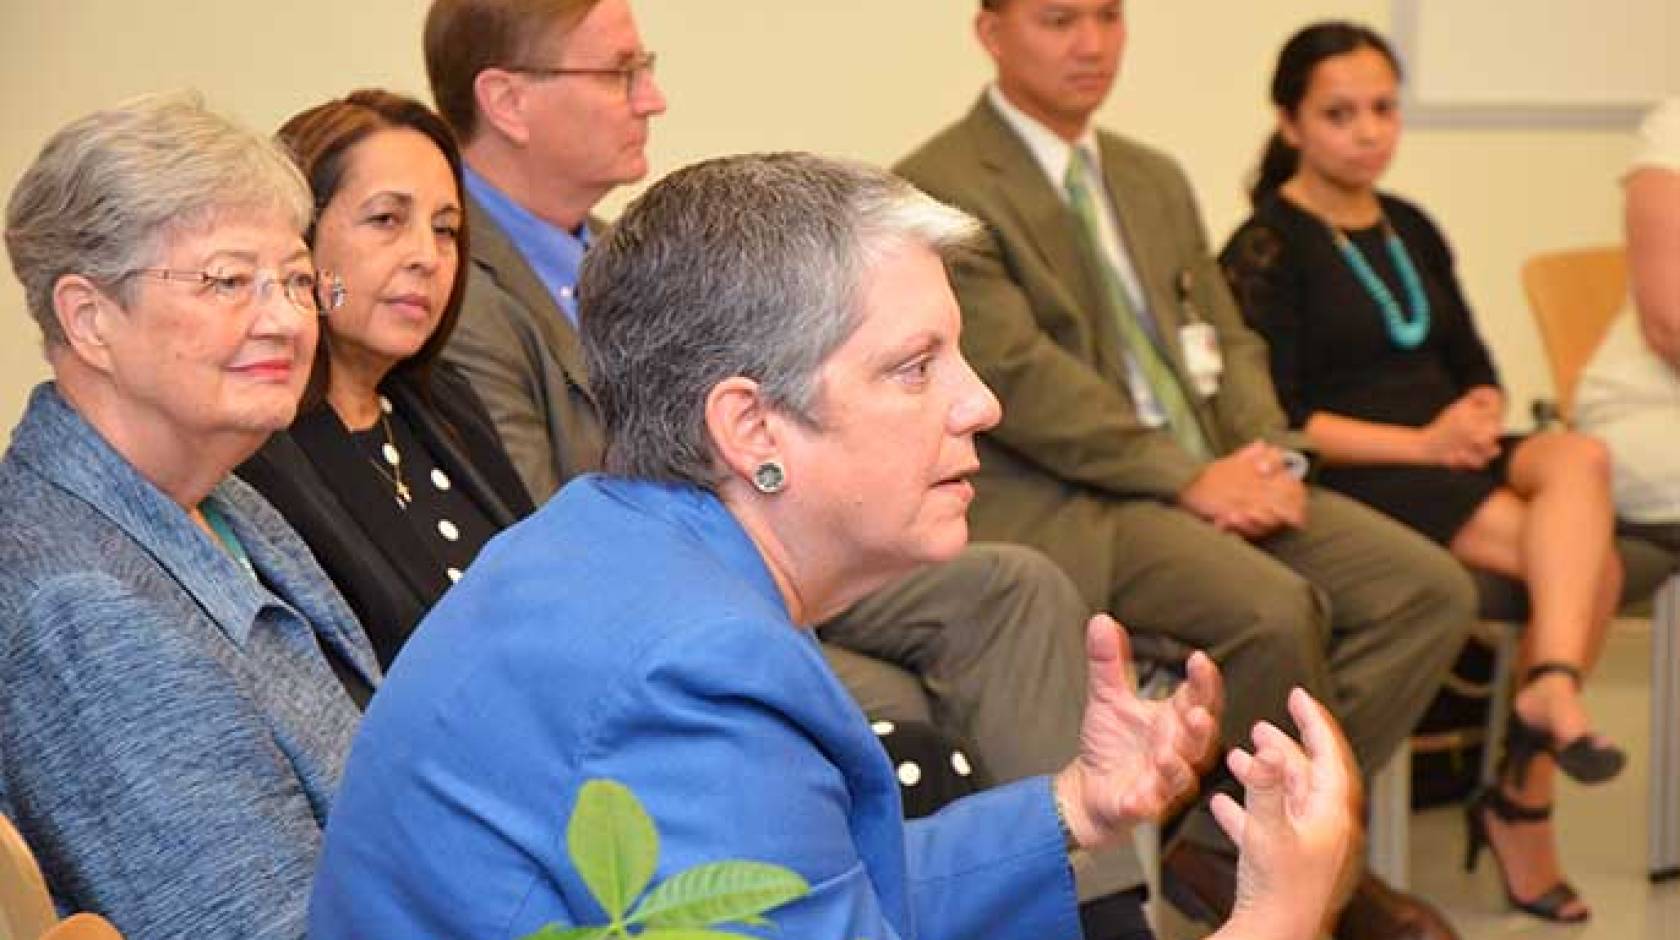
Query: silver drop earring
(769, 477)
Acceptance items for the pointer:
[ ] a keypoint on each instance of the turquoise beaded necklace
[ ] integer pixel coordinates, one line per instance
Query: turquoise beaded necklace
(1407, 332)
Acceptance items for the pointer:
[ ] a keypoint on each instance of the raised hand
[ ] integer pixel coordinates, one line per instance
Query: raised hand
(1137, 758)
(1297, 833)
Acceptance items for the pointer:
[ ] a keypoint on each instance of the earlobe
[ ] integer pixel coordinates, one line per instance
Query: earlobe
(985, 30)
(1286, 129)
(743, 430)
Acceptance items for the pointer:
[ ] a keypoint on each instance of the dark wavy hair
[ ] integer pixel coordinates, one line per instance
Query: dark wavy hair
(1293, 75)
(320, 140)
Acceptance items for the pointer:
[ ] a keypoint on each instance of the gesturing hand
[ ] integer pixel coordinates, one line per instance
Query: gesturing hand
(1137, 758)
(1298, 831)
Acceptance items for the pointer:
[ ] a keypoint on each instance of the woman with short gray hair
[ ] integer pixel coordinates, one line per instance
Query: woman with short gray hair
(179, 681)
(790, 421)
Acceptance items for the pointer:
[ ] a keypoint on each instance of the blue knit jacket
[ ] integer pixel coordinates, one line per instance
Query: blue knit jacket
(171, 733)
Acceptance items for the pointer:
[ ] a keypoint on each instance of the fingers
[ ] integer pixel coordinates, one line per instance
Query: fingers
(1107, 652)
(1265, 773)
(1202, 686)
(1230, 816)
(1327, 750)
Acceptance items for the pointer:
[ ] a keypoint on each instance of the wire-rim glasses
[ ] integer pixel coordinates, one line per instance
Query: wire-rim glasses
(307, 291)
(633, 72)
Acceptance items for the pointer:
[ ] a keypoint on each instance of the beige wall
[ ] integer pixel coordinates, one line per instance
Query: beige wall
(866, 78)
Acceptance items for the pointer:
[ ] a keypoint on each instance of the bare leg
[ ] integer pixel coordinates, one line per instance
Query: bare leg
(1552, 524)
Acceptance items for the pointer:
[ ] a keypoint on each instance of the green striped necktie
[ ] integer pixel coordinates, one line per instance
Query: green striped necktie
(1144, 354)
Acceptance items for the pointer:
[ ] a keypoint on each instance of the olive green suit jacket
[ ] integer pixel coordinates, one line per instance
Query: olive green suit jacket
(1037, 329)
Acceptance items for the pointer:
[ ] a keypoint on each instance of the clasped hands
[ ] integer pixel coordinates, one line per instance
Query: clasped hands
(1249, 492)
(1465, 435)
(1296, 830)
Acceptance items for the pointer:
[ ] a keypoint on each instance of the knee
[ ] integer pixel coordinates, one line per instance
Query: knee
(1441, 592)
(1288, 618)
(1581, 458)
(1003, 575)
(1590, 454)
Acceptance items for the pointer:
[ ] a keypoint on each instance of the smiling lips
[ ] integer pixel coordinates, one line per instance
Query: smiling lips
(277, 369)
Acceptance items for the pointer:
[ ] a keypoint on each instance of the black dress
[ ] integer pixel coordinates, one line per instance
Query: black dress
(393, 561)
(1331, 351)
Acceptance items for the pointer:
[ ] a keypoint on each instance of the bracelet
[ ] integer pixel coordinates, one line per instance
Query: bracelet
(1069, 843)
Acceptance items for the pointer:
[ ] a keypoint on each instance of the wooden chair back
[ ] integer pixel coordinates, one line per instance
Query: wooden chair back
(26, 909)
(1574, 295)
(83, 927)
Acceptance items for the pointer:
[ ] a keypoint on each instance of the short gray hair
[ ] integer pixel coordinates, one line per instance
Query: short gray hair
(111, 187)
(741, 266)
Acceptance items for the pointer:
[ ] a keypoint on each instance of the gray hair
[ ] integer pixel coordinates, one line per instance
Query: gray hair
(108, 189)
(741, 266)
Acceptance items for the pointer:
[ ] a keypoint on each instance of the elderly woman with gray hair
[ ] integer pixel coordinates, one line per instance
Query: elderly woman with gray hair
(178, 679)
(775, 348)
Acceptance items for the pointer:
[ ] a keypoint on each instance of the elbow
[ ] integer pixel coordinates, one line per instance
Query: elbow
(1662, 334)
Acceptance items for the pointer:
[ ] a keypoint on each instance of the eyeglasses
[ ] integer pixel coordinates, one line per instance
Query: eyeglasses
(236, 290)
(637, 73)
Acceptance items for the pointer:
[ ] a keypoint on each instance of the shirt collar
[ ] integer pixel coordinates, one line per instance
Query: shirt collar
(1049, 150)
(552, 252)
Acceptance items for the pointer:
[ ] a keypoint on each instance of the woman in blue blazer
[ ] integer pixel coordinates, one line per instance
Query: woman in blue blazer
(774, 346)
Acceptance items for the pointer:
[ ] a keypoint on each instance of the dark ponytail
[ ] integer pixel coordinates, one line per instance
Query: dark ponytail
(1290, 80)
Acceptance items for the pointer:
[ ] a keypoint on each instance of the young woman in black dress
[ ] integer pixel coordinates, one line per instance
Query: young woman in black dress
(1376, 358)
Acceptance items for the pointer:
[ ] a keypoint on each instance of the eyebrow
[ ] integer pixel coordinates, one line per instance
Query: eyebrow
(919, 344)
(250, 257)
(407, 199)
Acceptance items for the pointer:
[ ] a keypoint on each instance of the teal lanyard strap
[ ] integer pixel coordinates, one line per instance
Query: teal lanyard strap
(1407, 332)
(224, 534)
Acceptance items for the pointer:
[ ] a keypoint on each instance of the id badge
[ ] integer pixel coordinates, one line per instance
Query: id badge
(1202, 358)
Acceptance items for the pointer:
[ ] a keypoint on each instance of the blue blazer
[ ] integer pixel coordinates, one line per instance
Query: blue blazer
(171, 733)
(631, 631)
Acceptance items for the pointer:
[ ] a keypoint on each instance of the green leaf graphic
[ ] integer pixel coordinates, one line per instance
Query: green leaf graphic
(719, 892)
(613, 844)
(686, 933)
(557, 932)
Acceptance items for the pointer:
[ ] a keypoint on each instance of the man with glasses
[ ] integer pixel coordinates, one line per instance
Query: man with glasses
(1142, 445)
(552, 103)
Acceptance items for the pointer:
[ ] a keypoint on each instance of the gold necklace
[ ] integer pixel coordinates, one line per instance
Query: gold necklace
(392, 456)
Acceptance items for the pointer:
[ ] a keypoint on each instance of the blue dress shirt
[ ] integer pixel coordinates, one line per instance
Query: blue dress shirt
(551, 251)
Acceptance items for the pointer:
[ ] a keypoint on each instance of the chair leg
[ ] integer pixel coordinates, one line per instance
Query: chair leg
(1664, 849)
(1388, 849)
(1502, 689)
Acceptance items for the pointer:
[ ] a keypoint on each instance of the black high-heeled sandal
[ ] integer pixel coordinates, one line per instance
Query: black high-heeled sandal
(1587, 759)
(1551, 903)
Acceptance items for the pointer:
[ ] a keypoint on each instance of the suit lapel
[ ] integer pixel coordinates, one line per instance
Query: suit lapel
(1050, 226)
(497, 256)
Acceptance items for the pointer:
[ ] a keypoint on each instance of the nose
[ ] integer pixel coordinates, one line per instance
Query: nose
(276, 314)
(1087, 36)
(1370, 125)
(647, 98)
(423, 248)
(976, 408)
